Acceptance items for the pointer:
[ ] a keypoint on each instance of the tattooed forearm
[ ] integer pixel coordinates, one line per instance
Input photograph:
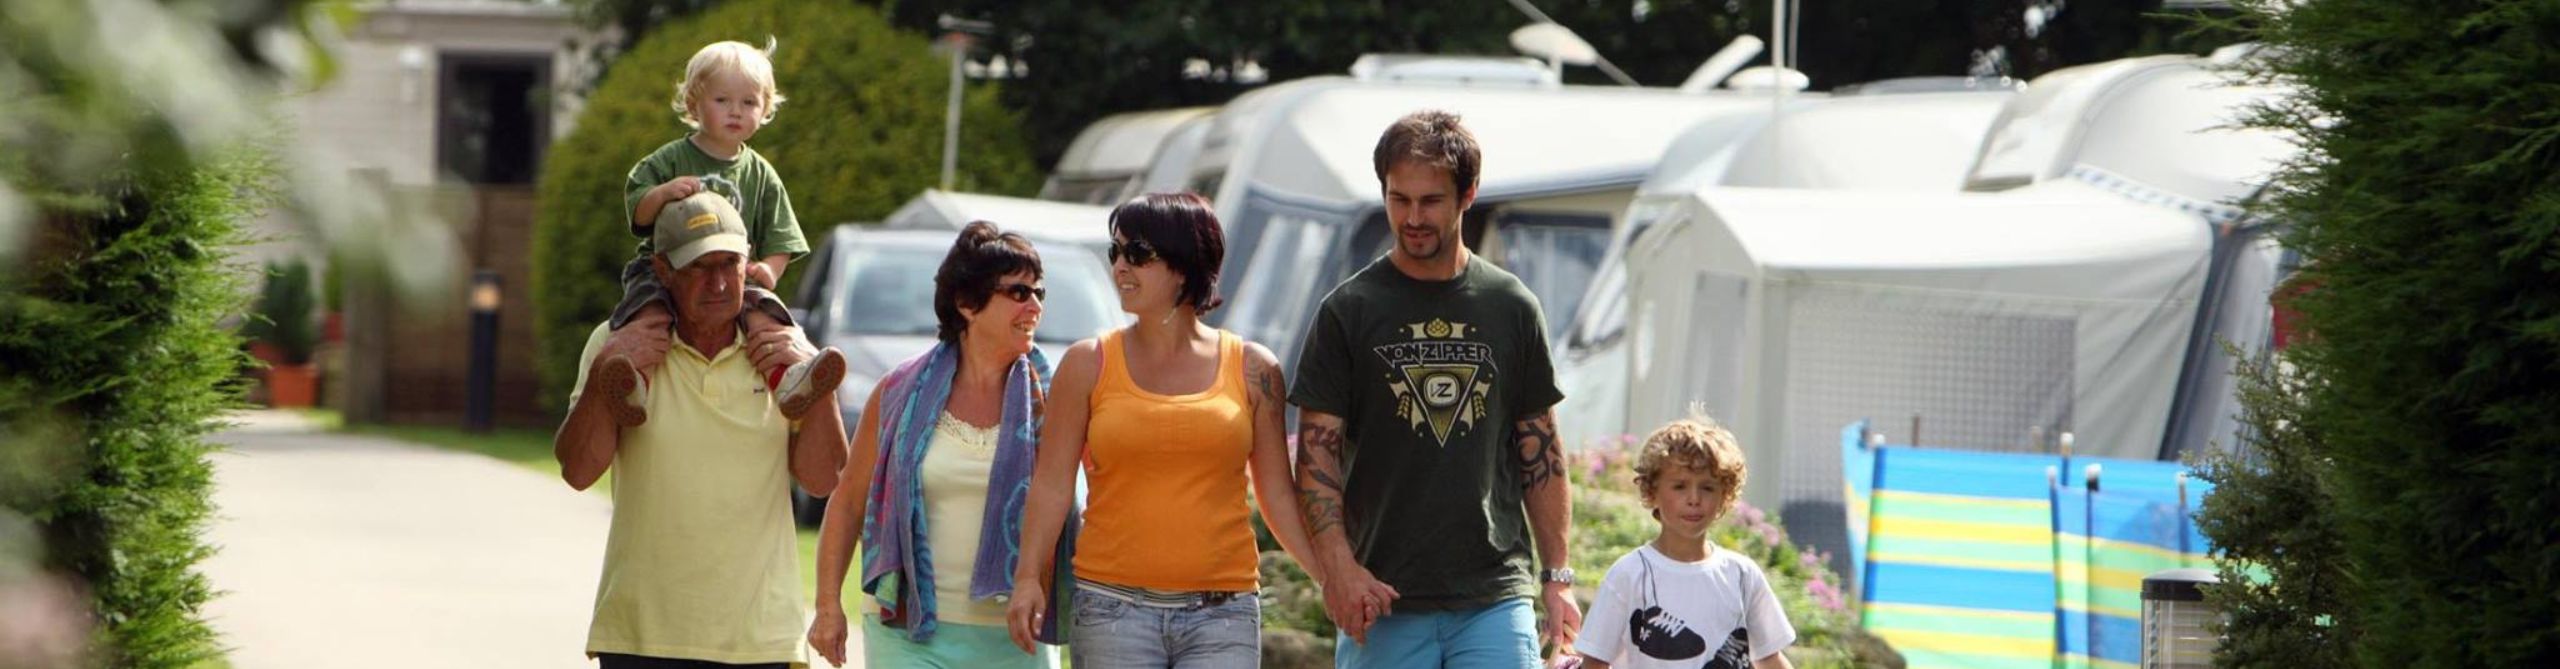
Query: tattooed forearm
(1320, 477)
(1541, 459)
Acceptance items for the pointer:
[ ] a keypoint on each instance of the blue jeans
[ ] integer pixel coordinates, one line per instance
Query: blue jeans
(1112, 634)
(1503, 634)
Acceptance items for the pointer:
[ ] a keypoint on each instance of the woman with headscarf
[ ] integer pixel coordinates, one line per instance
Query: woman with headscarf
(940, 466)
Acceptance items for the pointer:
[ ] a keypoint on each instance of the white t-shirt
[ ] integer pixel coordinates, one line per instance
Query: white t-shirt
(1654, 612)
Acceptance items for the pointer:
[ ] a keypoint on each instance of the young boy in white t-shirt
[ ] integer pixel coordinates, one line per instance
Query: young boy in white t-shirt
(1680, 602)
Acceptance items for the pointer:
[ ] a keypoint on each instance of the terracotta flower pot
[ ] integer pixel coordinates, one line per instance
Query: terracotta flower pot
(292, 385)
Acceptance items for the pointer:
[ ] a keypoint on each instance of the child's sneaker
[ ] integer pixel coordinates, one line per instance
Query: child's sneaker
(616, 377)
(804, 384)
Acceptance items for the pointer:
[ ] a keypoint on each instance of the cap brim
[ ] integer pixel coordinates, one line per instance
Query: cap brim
(686, 254)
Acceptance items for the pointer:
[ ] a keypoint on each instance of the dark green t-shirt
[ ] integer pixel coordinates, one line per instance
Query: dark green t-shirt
(772, 228)
(1428, 377)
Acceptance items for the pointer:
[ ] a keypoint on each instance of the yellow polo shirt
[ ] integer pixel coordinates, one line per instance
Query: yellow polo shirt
(702, 562)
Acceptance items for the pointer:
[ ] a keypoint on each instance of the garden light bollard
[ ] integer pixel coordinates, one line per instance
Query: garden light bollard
(2175, 620)
(482, 378)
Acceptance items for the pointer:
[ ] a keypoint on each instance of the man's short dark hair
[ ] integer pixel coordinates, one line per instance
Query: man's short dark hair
(1185, 233)
(1431, 137)
(982, 256)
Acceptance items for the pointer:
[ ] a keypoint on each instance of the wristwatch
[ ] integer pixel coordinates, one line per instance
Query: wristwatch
(1562, 575)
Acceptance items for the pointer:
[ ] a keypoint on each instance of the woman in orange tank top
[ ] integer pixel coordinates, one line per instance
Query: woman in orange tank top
(1166, 417)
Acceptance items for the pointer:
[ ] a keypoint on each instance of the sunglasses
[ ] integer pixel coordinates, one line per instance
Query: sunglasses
(1136, 252)
(1023, 292)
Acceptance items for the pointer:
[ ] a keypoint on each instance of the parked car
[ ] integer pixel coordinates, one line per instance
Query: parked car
(869, 293)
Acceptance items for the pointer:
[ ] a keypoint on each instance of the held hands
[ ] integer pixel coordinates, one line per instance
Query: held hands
(1356, 599)
(1562, 623)
(1024, 616)
(827, 633)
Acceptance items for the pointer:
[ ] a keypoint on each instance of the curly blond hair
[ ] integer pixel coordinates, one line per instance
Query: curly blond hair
(728, 57)
(1698, 443)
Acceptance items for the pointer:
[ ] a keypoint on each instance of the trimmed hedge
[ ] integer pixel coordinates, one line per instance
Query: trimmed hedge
(860, 134)
(113, 370)
(2427, 213)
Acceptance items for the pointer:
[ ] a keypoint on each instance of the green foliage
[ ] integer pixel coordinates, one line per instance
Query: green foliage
(111, 358)
(861, 133)
(2274, 518)
(283, 315)
(118, 191)
(2428, 216)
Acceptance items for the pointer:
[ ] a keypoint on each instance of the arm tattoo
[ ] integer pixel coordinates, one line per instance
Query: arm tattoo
(1540, 459)
(1320, 491)
(1275, 393)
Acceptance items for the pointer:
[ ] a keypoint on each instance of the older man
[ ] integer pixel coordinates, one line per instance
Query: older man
(701, 568)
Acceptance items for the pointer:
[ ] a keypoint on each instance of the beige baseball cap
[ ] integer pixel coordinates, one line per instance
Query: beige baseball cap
(697, 225)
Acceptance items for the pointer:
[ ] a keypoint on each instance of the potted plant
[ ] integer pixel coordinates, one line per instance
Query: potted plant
(283, 335)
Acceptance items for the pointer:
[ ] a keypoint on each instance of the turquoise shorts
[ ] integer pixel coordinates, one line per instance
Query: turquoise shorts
(954, 646)
(1500, 636)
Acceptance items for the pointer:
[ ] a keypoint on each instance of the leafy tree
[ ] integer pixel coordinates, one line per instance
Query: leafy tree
(2427, 212)
(860, 134)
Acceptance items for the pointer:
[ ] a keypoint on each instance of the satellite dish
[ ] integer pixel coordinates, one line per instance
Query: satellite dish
(1554, 43)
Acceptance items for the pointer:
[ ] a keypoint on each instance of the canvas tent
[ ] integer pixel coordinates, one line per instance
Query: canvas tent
(1920, 141)
(1788, 313)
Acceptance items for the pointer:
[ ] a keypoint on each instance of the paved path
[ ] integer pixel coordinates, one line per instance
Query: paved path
(342, 550)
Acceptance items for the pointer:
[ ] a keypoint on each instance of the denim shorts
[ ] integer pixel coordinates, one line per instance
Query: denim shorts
(1223, 632)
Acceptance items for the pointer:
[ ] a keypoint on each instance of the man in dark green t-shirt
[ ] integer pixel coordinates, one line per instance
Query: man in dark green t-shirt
(1427, 451)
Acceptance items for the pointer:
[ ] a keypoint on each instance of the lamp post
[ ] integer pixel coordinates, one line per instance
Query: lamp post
(957, 36)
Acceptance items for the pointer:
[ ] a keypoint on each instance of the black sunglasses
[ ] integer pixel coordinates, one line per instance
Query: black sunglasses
(1023, 292)
(1135, 251)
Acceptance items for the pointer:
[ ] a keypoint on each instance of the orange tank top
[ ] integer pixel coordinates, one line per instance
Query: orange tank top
(1166, 474)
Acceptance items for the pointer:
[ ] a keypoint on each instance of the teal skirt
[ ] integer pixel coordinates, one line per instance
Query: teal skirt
(954, 646)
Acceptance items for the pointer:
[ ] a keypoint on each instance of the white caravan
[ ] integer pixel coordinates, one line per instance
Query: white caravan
(1914, 135)
(1291, 172)
(2074, 286)
(1110, 154)
(1047, 223)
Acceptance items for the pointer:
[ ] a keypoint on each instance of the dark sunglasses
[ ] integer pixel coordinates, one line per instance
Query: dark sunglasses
(1023, 292)
(1135, 251)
